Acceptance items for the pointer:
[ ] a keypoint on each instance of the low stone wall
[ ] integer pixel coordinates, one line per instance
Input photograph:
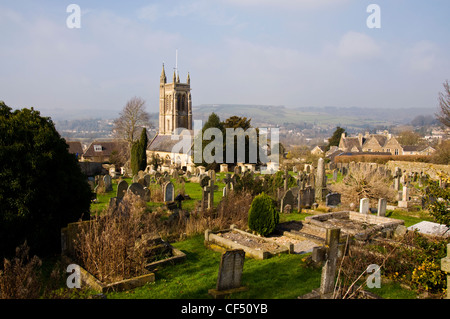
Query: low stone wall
(377, 223)
(428, 168)
(88, 279)
(214, 239)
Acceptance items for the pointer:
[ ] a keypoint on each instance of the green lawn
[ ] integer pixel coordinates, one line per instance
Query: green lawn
(192, 189)
(280, 277)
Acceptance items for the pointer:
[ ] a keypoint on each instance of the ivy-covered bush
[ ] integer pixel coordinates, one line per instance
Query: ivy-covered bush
(262, 216)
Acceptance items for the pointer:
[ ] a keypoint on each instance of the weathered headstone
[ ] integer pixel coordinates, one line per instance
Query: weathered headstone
(405, 203)
(364, 206)
(430, 228)
(147, 179)
(333, 199)
(224, 168)
(230, 273)
(381, 209)
(122, 189)
(140, 190)
(335, 175)
(108, 183)
(287, 199)
(169, 192)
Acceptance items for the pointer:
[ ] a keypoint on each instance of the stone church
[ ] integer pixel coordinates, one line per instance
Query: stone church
(175, 123)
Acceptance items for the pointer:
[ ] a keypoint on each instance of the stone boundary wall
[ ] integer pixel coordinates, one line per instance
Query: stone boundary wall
(427, 168)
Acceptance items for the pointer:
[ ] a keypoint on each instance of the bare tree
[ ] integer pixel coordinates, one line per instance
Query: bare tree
(132, 119)
(444, 103)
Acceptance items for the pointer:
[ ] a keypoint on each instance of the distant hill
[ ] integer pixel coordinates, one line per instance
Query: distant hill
(321, 116)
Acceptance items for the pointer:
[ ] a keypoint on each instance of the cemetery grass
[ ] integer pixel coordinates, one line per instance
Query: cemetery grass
(198, 273)
(192, 189)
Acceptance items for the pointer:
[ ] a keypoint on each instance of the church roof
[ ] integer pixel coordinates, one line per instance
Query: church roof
(169, 143)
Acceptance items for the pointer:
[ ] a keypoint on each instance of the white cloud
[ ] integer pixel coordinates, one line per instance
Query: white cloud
(422, 56)
(358, 45)
(149, 12)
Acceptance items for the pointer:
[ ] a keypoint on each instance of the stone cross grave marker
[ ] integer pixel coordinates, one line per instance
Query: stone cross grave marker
(320, 181)
(329, 269)
(286, 177)
(209, 191)
(230, 273)
(227, 180)
(169, 192)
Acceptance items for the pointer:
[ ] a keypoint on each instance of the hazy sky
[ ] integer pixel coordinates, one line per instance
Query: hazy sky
(277, 52)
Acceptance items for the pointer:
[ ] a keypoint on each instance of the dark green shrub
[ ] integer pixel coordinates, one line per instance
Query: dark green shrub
(262, 216)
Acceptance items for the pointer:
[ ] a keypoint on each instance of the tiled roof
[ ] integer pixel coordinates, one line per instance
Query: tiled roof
(103, 148)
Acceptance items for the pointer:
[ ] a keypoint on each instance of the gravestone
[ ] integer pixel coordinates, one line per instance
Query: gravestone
(329, 269)
(430, 228)
(224, 168)
(108, 183)
(122, 189)
(335, 175)
(286, 178)
(208, 192)
(287, 199)
(321, 185)
(333, 199)
(230, 273)
(140, 190)
(201, 170)
(405, 202)
(227, 180)
(364, 206)
(306, 197)
(169, 192)
(204, 180)
(381, 210)
(212, 174)
(237, 170)
(147, 179)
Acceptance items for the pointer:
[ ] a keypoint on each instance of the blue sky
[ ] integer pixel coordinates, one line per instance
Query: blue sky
(293, 53)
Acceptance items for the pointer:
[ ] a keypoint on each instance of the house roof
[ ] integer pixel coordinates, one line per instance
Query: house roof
(75, 147)
(351, 142)
(381, 139)
(103, 148)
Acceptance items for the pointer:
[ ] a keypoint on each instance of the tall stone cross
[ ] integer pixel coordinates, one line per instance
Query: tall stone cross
(209, 191)
(227, 181)
(286, 179)
(329, 269)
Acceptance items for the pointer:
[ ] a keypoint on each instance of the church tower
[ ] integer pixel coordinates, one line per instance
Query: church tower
(175, 104)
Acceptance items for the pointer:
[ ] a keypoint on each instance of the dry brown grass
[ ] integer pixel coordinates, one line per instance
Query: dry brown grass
(360, 184)
(106, 248)
(19, 278)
